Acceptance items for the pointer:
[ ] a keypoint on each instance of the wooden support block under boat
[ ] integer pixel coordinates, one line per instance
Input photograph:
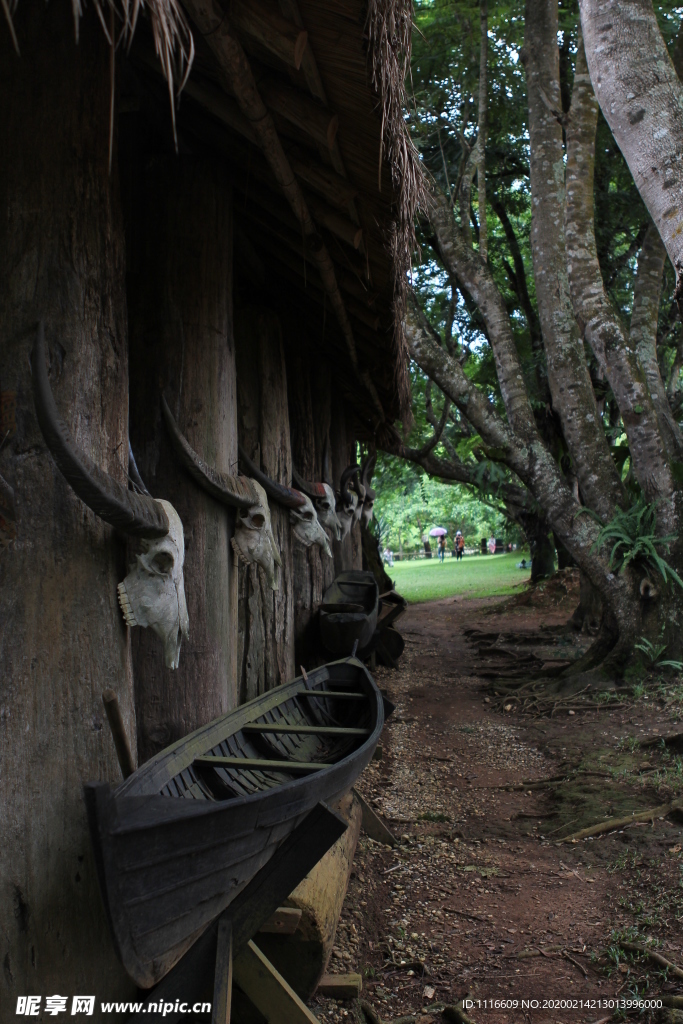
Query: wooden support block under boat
(268, 990)
(303, 957)
(183, 836)
(192, 978)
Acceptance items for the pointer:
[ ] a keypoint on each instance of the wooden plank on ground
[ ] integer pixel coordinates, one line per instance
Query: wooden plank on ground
(222, 984)
(340, 986)
(373, 825)
(268, 990)
(284, 921)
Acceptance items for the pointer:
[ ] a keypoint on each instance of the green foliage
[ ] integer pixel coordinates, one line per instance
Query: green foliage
(653, 653)
(632, 532)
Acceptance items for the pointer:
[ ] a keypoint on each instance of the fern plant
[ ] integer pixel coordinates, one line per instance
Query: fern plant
(632, 534)
(653, 653)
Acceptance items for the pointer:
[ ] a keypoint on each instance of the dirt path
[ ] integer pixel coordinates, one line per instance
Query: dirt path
(480, 901)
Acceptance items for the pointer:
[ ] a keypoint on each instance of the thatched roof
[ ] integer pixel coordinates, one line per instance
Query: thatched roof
(303, 101)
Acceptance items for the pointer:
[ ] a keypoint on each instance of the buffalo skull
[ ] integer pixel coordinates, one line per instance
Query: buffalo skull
(324, 501)
(253, 540)
(153, 593)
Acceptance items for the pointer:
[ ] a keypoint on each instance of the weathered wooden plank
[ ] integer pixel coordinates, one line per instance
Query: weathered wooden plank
(318, 730)
(260, 763)
(340, 986)
(268, 990)
(337, 694)
(373, 826)
(284, 921)
(222, 985)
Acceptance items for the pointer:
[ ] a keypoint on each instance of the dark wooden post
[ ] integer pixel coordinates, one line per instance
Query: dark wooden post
(181, 343)
(341, 448)
(266, 617)
(62, 637)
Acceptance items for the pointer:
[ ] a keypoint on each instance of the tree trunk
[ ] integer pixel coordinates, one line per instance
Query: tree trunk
(542, 555)
(570, 384)
(62, 636)
(641, 98)
(266, 634)
(601, 323)
(587, 616)
(181, 344)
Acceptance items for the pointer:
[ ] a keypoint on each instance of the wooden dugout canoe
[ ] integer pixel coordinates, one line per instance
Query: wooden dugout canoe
(184, 834)
(349, 612)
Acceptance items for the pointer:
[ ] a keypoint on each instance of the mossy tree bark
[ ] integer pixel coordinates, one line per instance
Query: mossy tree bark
(62, 637)
(181, 344)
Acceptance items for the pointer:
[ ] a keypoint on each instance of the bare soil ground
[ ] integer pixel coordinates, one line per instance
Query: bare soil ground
(480, 901)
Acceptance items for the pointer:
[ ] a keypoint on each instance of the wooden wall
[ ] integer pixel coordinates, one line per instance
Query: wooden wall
(62, 637)
(181, 344)
(265, 654)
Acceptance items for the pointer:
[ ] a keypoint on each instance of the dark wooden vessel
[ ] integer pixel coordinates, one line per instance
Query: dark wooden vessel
(349, 612)
(182, 836)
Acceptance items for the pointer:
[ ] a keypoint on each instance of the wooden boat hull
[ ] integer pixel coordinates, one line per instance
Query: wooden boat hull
(171, 859)
(339, 630)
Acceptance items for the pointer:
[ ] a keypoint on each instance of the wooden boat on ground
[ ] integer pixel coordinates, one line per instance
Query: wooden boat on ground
(349, 612)
(184, 834)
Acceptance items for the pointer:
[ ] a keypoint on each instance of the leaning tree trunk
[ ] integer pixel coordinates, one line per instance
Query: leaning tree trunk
(641, 97)
(181, 344)
(266, 617)
(62, 637)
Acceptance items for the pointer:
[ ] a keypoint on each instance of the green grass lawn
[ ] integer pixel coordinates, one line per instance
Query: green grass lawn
(427, 579)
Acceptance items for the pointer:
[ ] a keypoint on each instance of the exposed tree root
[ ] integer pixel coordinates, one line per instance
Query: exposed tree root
(633, 947)
(610, 824)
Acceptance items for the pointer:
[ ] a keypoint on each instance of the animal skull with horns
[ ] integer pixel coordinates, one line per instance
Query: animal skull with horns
(302, 514)
(367, 469)
(325, 503)
(347, 501)
(153, 593)
(253, 538)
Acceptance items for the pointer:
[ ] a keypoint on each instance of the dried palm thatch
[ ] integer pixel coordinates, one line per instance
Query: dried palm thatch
(389, 31)
(172, 36)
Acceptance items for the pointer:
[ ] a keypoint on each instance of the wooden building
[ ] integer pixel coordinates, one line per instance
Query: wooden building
(241, 250)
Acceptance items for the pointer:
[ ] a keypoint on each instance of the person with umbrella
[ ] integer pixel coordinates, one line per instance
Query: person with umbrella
(439, 532)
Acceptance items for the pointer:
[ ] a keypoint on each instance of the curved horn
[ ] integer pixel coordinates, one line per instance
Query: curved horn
(137, 514)
(346, 475)
(312, 490)
(327, 462)
(229, 490)
(286, 496)
(368, 469)
(134, 472)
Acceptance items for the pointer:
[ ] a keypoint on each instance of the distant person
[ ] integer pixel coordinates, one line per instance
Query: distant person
(492, 545)
(388, 557)
(459, 546)
(442, 548)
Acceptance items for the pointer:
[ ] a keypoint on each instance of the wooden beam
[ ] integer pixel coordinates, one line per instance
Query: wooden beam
(340, 986)
(222, 985)
(260, 764)
(284, 921)
(278, 35)
(238, 78)
(373, 825)
(308, 114)
(336, 189)
(268, 990)
(335, 222)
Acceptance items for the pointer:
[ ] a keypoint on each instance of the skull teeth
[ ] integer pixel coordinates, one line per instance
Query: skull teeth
(126, 608)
